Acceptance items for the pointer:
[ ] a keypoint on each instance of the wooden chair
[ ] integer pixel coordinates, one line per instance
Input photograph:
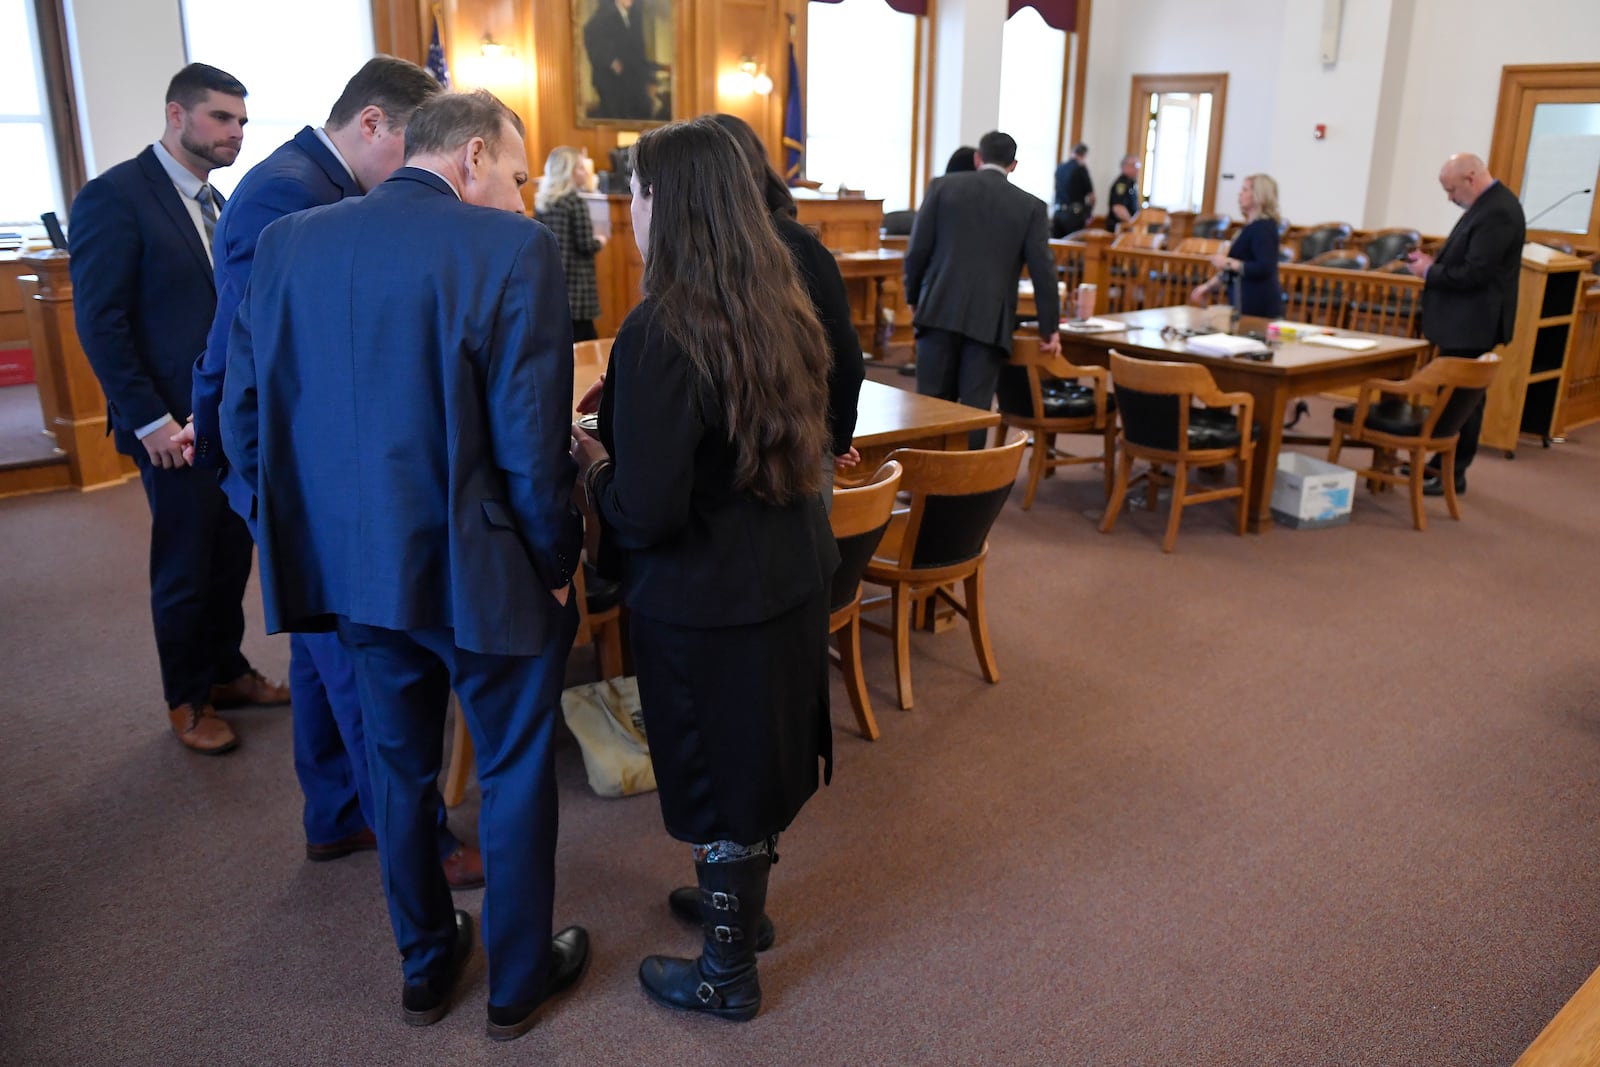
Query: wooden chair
(859, 517)
(1421, 414)
(1160, 424)
(1324, 237)
(1040, 394)
(599, 624)
(940, 539)
(1339, 259)
(1211, 226)
(1151, 220)
(1386, 250)
(1201, 246)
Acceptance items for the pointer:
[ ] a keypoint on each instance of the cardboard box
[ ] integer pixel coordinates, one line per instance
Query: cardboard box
(1309, 494)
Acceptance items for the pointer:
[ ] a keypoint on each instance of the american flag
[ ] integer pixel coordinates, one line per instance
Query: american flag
(436, 64)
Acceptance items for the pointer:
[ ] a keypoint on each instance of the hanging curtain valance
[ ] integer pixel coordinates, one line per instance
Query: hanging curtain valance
(1058, 14)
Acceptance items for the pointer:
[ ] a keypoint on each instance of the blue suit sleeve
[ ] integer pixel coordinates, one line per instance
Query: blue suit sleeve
(529, 385)
(242, 223)
(239, 415)
(107, 246)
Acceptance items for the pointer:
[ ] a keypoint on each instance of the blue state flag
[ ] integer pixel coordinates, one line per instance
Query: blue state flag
(794, 126)
(436, 64)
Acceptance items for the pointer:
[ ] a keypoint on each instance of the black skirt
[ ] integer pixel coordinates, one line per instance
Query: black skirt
(737, 720)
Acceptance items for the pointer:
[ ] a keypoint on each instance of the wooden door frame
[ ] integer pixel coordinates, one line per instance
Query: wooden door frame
(1522, 88)
(1138, 119)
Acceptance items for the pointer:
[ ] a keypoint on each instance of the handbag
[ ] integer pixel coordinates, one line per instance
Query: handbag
(608, 722)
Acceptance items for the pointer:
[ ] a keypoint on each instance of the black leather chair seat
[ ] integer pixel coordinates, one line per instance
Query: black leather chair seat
(1069, 400)
(603, 593)
(1213, 428)
(1387, 416)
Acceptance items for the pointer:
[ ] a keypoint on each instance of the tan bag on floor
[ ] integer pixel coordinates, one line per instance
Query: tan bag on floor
(606, 719)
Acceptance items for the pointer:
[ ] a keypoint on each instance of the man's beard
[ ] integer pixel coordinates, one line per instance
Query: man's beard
(211, 153)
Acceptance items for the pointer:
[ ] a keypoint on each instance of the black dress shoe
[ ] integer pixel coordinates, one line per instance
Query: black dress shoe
(569, 951)
(425, 1001)
(1433, 485)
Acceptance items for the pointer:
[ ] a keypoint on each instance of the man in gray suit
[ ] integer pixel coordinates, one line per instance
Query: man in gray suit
(973, 234)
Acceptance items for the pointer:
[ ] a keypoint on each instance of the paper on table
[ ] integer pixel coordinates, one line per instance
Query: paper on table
(1093, 325)
(1225, 344)
(1353, 344)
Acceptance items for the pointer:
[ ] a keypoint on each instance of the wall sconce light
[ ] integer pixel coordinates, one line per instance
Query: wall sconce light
(494, 65)
(490, 48)
(747, 78)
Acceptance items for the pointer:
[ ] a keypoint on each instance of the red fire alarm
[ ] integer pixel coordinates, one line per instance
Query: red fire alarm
(1320, 132)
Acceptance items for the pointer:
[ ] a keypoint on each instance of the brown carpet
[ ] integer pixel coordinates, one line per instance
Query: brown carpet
(1310, 798)
(22, 436)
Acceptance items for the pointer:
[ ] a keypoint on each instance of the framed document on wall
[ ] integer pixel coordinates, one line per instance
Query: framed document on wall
(622, 62)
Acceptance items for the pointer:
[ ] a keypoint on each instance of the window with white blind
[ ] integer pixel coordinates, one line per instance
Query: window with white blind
(859, 124)
(32, 185)
(293, 56)
(1032, 67)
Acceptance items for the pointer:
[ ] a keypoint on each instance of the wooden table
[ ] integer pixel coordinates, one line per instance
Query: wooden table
(888, 418)
(1294, 370)
(872, 280)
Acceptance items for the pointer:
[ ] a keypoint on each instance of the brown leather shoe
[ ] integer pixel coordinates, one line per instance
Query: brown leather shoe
(249, 688)
(363, 840)
(202, 731)
(463, 868)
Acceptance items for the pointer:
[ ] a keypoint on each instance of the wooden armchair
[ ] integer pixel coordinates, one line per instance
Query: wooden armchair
(1041, 395)
(1201, 246)
(859, 518)
(940, 539)
(1324, 237)
(1421, 414)
(1142, 240)
(1160, 424)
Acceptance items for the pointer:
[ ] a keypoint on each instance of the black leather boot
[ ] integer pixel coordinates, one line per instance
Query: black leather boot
(685, 904)
(723, 981)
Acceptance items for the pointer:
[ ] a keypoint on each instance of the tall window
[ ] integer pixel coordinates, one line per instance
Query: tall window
(31, 185)
(294, 57)
(1032, 66)
(861, 58)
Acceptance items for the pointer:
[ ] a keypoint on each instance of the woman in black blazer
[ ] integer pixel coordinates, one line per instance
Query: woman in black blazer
(1253, 256)
(706, 478)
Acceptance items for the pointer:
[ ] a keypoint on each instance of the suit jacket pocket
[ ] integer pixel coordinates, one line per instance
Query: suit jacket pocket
(496, 513)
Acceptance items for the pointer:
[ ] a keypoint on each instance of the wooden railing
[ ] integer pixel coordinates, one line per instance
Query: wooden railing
(1129, 280)
(1582, 403)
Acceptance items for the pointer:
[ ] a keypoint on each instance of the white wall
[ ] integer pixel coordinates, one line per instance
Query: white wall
(1238, 37)
(124, 52)
(966, 67)
(1452, 83)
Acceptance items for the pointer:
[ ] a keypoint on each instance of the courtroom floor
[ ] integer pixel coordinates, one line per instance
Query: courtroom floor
(1310, 798)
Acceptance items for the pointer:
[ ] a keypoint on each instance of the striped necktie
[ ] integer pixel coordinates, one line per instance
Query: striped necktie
(208, 211)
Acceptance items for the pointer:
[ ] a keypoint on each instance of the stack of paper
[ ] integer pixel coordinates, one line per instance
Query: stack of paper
(1093, 325)
(1327, 340)
(1225, 344)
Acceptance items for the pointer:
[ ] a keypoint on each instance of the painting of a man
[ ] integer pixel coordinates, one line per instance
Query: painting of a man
(624, 41)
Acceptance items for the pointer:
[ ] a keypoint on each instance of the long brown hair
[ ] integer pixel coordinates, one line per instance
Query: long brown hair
(773, 190)
(726, 292)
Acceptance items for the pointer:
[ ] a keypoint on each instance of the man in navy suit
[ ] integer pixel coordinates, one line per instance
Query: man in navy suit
(399, 393)
(143, 295)
(362, 144)
(1469, 295)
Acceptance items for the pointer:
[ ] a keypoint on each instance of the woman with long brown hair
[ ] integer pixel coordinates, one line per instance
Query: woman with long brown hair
(706, 477)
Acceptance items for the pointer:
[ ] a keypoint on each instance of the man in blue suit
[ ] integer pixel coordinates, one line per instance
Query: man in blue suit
(362, 144)
(399, 393)
(143, 296)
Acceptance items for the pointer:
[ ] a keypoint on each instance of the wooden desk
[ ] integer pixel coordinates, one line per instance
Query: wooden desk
(843, 223)
(1294, 370)
(872, 280)
(888, 418)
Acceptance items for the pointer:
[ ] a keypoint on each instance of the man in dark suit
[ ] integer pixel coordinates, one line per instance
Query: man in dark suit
(361, 145)
(399, 393)
(1074, 194)
(143, 296)
(618, 66)
(1469, 295)
(973, 235)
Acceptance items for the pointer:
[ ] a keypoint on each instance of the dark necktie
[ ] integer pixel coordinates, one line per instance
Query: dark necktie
(208, 211)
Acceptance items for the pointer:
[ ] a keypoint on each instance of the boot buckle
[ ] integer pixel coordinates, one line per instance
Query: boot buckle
(727, 934)
(723, 901)
(706, 993)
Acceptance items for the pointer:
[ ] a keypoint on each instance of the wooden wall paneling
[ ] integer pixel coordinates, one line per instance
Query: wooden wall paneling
(401, 28)
(1522, 88)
